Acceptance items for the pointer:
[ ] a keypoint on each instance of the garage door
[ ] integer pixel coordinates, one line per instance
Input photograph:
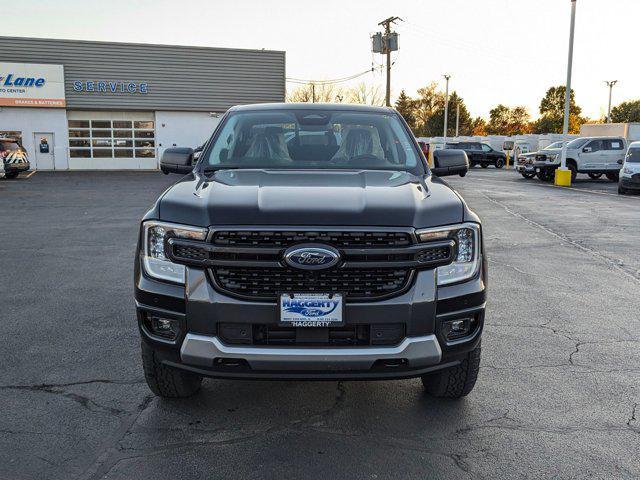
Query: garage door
(112, 140)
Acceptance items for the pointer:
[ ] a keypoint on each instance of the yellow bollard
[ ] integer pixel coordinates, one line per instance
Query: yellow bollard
(562, 178)
(507, 159)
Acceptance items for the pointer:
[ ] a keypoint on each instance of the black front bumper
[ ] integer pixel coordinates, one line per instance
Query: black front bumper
(16, 167)
(629, 183)
(200, 308)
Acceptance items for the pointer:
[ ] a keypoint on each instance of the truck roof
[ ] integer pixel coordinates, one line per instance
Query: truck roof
(603, 137)
(310, 106)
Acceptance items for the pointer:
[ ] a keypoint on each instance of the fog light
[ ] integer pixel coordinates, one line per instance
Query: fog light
(165, 327)
(454, 329)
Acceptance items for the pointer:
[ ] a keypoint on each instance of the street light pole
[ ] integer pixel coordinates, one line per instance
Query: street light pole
(457, 117)
(610, 85)
(446, 108)
(567, 93)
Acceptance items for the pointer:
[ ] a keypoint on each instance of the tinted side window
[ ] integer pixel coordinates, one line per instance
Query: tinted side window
(486, 148)
(595, 145)
(614, 144)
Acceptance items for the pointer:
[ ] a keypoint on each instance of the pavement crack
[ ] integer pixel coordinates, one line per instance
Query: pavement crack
(632, 418)
(112, 452)
(59, 389)
(44, 386)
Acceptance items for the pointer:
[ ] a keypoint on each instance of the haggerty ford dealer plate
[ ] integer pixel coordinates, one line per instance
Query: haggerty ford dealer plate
(311, 309)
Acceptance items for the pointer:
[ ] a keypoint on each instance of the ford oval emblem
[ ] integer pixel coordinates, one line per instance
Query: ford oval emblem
(311, 257)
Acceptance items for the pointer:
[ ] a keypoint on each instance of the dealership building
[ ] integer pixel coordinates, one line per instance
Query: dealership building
(79, 105)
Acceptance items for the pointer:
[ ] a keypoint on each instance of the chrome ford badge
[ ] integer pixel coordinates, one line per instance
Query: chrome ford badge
(311, 257)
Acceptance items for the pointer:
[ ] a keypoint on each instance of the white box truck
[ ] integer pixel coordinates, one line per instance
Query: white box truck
(629, 131)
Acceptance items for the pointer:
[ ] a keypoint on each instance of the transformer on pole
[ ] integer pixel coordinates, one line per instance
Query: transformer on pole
(385, 43)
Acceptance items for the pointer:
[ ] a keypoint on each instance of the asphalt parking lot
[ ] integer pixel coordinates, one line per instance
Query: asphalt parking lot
(558, 394)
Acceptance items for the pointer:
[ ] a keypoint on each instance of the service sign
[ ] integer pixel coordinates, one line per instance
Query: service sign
(31, 85)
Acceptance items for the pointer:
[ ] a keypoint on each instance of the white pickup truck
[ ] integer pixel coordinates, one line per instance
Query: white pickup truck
(594, 156)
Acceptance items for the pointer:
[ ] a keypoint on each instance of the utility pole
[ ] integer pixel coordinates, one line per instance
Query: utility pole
(313, 93)
(610, 85)
(567, 96)
(457, 117)
(387, 48)
(446, 108)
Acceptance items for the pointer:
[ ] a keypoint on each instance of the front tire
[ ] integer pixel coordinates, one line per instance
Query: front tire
(545, 175)
(528, 175)
(484, 165)
(454, 382)
(621, 190)
(614, 177)
(166, 381)
(11, 175)
(595, 176)
(500, 163)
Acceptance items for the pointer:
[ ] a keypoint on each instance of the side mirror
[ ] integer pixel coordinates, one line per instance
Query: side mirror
(620, 161)
(450, 162)
(587, 149)
(177, 160)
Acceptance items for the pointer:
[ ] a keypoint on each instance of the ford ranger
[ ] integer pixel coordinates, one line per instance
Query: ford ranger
(311, 242)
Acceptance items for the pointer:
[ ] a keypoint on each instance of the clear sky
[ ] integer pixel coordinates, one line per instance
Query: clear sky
(497, 51)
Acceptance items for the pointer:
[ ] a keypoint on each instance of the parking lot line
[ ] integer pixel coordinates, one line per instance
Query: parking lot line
(597, 192)
(31, 173)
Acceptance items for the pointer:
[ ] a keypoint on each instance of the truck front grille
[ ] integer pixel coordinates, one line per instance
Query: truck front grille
(355, 283)
(339, 239)
(250, 264)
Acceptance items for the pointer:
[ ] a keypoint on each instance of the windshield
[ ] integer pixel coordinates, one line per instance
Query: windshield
(577, 143)
(555, 145)
(633, 155)
(9, 146)
(312, 139)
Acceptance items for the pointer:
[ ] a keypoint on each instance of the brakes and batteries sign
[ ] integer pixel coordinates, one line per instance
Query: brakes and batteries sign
(32, 85)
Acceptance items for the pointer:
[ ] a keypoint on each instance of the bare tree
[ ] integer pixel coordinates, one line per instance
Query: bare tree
(320, 93)
(366, 95)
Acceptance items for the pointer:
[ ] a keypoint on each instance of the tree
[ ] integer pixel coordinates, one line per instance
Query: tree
(508, 121)
(323, 93)
(405, 105)
(626, 112)
(425, 107)
(428, 112)
(552, 112)
(479, 127)
(365, 94)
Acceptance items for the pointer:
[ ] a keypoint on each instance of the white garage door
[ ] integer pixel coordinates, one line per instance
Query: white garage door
(112, 140)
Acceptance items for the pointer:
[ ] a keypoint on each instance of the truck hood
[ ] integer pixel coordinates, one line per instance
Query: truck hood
(313, 198)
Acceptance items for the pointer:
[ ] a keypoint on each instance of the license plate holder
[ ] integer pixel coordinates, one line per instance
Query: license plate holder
(314, 310)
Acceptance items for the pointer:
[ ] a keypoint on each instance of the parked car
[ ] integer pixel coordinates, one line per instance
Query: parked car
(481, 154)
(594, 156)
(242, 272)
(14, 157)
(630, 172)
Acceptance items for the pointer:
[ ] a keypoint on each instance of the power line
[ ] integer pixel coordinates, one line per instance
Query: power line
(329, 81)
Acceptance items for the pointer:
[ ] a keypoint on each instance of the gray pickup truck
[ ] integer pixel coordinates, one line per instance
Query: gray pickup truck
(311, 242)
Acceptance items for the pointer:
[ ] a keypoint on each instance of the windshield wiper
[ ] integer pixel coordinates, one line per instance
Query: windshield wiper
(211, 169)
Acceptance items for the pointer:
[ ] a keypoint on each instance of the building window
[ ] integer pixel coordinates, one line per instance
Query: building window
(111, 139)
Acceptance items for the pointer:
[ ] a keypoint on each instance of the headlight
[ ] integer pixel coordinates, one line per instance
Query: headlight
(467, 238)
(155, 261)
(627, 171)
